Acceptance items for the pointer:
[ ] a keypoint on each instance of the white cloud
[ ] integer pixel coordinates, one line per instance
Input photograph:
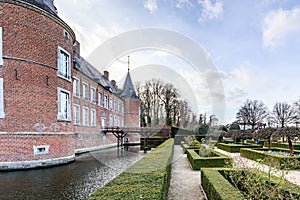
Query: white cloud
(279, 26)
(91, 38)
(241, 75)
(210, 10)
(182, 3)
(151, 5)
(236, 94)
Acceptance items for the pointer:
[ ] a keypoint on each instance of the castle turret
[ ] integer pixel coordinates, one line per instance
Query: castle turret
(132, 102)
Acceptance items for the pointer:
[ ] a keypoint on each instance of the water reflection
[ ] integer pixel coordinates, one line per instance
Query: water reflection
(73, 181)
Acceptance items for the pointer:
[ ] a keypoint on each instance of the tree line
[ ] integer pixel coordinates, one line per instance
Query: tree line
(255, 113)
(161, 103)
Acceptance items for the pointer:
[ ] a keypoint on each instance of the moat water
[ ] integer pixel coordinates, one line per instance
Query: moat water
(72, 181)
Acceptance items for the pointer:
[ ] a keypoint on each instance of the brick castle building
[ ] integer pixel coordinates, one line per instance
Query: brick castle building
(53, 103)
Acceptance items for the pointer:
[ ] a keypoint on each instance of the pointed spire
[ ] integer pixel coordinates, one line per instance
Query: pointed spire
(128, 63)
(128, 88)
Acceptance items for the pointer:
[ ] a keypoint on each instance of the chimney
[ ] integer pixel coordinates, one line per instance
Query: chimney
(76, 49)
(106, 75)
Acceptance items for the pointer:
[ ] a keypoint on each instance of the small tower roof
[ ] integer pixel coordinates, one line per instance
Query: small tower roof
(128, 89)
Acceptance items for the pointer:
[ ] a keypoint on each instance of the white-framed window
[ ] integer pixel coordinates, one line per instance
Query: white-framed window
(1, 59)
(115, 121)
(2, 113)
(115, 106)
(100, 99)
(111, 120)
(64, 66)
(76, 87)
(123, 108)
(64, 112)
(123, 123)
(85, 91)
(103, 120)
(41, 150)
(105, 101)
(119, 121)
(85, 116)
(93, 117)
(76, 114)
(93, 95)
(119, 110)
(110, 103)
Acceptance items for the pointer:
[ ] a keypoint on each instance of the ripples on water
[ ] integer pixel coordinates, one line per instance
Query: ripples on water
(73, 181)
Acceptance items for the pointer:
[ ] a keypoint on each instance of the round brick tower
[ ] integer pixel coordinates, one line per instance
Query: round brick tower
(36, 63)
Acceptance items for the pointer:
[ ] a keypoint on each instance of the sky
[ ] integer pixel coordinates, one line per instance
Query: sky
(237, 49)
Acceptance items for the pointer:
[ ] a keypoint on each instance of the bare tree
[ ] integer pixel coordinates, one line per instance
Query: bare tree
(297, 109)
(265, 133)
(168, 96)
(156, 87)
(155, 96)
(242, 116)
(185, 112)
(253, 111)
(291, 133)
(283, 113)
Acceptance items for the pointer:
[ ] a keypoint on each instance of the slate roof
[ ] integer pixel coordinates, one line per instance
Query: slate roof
(128, 90)
(86, 68)
(44, 4)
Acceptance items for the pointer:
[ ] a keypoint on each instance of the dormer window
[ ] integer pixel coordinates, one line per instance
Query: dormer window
(66, 35)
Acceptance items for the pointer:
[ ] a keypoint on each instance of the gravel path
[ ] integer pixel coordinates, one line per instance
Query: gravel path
(185, 182)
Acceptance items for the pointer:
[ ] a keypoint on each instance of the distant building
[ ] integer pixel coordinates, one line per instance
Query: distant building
(53, 103)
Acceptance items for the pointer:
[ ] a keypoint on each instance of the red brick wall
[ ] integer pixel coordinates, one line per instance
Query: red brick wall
(99, 109)
(19, 147)
(132, 112)
(28, 99)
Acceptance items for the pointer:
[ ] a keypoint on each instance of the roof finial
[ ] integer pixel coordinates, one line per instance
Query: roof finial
(128, 62)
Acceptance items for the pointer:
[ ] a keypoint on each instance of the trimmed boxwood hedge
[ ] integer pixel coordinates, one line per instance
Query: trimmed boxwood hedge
(283, 145)
(149, 178)
(186, 147)
(260, 142)
(197, 162)
(217, 187)
(235, 148)
(282, 161)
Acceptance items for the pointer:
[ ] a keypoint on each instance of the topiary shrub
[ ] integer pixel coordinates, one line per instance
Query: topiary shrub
(213, 159)
(260, 154)
(195, 145)
(235, 148)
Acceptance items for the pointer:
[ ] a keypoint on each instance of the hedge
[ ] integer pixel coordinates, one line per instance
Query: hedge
(217, 187)
(186, 147)
(260, 142)
(149, 178)
(286, 162)
(235, 148)
(199, 162)
(283, 145)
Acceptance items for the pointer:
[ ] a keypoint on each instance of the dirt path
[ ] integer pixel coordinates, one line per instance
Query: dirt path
(185, 182)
